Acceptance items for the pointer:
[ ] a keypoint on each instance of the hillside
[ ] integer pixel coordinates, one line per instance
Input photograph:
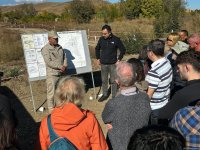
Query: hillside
(53, 7)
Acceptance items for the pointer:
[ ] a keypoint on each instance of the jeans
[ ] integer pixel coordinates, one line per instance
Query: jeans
(108, 70)
(154, 116)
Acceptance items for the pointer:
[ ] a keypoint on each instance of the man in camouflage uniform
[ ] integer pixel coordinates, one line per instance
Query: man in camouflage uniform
(56, 64)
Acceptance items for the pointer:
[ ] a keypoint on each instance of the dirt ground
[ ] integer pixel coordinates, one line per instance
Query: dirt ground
(18, 90)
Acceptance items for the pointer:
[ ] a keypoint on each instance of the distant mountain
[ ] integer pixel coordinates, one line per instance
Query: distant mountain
(53, 7)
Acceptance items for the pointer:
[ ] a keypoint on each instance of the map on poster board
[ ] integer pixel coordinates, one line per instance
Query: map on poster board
(74, 44)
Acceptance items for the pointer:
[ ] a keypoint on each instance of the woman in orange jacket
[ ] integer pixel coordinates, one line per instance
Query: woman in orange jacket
(68, 120)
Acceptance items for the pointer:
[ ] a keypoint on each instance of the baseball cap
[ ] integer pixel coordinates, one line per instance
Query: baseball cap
(53, 34)
(180, 47)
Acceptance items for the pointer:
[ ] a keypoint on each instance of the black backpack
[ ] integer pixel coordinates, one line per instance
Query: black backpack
(58, 143)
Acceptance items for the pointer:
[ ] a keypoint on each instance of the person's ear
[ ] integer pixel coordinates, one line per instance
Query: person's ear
(150, 53)
(187, 67)
(117, 81)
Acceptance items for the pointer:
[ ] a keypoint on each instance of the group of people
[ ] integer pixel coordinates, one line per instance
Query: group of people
(170, 96)
(148, 90)
(154, 104)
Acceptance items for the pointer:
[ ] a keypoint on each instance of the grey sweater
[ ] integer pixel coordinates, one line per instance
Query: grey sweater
(126, 113)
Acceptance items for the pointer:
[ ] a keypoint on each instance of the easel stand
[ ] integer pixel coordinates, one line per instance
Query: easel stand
(93, 84)
(32, 98)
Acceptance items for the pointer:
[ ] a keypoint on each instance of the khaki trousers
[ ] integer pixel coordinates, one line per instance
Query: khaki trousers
(51, 84)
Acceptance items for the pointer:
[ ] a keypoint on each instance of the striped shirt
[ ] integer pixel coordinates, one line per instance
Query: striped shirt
(160, 78)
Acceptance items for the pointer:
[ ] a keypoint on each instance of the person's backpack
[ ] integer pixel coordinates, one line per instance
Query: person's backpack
(56, 142)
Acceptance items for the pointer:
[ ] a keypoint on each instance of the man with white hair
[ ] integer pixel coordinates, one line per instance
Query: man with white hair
(128, 111)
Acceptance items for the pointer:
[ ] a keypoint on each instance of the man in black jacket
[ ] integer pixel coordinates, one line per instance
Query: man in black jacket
(106, 54)
(188, 63)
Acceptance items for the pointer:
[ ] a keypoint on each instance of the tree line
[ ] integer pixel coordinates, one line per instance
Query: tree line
(165, 13)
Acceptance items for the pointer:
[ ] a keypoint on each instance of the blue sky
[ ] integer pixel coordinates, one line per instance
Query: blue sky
(192, 4)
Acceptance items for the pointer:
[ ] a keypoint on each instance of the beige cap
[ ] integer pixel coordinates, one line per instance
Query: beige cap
(53, 34)
(180, 47)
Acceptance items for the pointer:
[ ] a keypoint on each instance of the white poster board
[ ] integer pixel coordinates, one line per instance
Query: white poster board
(74, 44)
(32, 45)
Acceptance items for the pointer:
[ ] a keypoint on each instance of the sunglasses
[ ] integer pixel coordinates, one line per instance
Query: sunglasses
(169, 40)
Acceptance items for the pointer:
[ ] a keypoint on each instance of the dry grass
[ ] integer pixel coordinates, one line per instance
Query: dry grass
(10, 45)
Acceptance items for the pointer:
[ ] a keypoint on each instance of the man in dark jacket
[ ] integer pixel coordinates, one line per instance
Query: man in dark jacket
(106, 54)
(188, 63)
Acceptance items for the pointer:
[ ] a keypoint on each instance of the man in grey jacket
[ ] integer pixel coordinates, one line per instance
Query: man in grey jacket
(128, 111)
(56, 64)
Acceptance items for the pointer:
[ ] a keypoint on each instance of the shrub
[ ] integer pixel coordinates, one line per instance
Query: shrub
(82, 11)
(133, 42)
(169, 17)
(13, 72)
(45, 17)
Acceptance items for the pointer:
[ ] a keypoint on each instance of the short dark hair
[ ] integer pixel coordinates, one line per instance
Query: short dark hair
(185, 32)
(8, 135)
(137, 68)
(143, 53)
(189, 57)
(156, 137)
(107, 27)
(157, 47)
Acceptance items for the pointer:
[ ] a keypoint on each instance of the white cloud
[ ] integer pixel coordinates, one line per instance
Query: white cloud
(30, 1)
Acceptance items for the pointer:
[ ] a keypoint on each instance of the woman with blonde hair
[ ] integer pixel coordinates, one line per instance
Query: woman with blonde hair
(176, 47)
(172, 39)
(69, 120)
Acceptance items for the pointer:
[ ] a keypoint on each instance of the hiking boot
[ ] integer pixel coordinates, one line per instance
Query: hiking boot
(103, 98)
